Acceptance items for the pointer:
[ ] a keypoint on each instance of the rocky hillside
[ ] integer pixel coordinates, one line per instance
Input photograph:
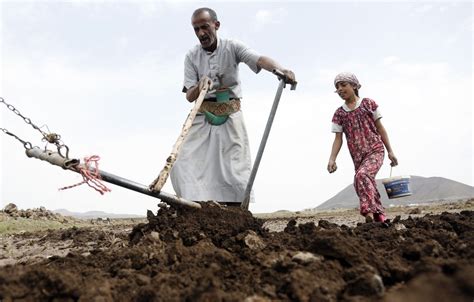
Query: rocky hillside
(41, 213)
(424, 189)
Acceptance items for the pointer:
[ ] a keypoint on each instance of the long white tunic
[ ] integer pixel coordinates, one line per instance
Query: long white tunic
(214, 162)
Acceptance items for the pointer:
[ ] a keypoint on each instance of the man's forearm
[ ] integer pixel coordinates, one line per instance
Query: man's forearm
(192, 93)
(268, 64)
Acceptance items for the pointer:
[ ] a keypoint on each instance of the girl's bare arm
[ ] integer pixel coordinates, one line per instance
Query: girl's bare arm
(336, 147)
(383, 133)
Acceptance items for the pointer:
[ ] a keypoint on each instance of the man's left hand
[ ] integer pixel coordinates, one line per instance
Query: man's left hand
(290, 76)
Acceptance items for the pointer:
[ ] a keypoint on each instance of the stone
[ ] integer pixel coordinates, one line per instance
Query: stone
(253, 241)
(10, 208)
(256, 298)
(399, 226)
(368, 284)
(306, 257)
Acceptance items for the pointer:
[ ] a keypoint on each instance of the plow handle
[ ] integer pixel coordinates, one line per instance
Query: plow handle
(282, 76)
(282, 81)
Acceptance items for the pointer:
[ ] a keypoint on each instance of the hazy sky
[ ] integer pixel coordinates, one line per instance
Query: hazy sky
(107, 76)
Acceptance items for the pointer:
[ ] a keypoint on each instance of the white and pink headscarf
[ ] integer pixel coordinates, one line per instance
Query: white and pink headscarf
(347, 77)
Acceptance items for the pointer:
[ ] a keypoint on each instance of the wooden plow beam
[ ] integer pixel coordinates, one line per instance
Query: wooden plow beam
(160, 181)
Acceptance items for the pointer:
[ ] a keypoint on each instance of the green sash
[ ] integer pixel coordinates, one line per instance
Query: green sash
(215, 120)
(222, 96)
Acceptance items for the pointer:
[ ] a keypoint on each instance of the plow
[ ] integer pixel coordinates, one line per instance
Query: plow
(93, 176)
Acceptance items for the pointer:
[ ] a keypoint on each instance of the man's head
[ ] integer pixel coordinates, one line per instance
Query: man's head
(205, 24)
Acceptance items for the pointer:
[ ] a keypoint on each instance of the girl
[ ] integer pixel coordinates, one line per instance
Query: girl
(359, 119)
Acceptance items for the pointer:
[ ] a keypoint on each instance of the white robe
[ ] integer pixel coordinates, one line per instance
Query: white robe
(214, 161)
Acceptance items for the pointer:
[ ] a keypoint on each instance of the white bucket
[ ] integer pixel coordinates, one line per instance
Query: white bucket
(398, 186)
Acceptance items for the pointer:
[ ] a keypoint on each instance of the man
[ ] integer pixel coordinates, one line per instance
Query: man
(214, 161)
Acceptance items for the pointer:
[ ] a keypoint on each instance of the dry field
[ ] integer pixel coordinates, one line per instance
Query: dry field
(215, 254)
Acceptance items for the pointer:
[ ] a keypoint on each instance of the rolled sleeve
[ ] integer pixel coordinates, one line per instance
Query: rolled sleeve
(372, 106)
(191, 77)
(335, 128)
(376, 114)
(246, 55)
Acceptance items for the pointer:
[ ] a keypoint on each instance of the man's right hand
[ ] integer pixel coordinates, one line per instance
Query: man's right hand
(193, 93)
(203, 81)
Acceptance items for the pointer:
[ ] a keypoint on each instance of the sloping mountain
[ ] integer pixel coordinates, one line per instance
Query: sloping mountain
(424, 189)
(94, 214)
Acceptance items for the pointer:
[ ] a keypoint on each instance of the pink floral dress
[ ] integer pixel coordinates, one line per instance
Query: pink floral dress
(366, 149)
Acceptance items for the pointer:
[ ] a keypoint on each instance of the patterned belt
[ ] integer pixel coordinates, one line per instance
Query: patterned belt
(216, 108)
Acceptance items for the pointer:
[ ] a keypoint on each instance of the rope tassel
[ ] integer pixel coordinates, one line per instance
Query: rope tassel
(91, 178)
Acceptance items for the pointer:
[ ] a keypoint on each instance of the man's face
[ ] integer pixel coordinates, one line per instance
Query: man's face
(206, 30)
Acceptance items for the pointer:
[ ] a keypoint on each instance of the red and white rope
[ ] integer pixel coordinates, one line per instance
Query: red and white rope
(91, 178)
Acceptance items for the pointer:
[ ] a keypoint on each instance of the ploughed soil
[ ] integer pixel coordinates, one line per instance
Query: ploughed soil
(226, 254)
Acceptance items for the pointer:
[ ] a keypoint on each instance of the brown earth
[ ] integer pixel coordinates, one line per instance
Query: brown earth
(226, 254)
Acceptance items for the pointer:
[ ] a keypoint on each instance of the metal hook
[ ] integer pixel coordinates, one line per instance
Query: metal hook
(60, 147)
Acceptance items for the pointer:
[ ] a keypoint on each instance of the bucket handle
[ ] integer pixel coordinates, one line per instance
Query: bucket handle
(391, 167)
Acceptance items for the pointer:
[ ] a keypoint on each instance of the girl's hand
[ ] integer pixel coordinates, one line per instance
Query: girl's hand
(393, 159)
(332, 167)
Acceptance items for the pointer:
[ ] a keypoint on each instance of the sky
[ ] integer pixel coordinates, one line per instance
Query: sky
(107, 76)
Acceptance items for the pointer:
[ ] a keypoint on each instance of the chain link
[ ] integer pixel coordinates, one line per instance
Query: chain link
(26, 119)
(52, 138)
(27, 145)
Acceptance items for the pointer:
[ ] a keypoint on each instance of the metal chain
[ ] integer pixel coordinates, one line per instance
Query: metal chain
(27, 145)
(52, 138)
(26, 119)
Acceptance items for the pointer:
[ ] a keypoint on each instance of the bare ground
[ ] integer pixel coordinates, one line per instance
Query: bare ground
(214, 254)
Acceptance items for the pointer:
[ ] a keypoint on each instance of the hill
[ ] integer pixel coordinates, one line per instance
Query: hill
(424, 189)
